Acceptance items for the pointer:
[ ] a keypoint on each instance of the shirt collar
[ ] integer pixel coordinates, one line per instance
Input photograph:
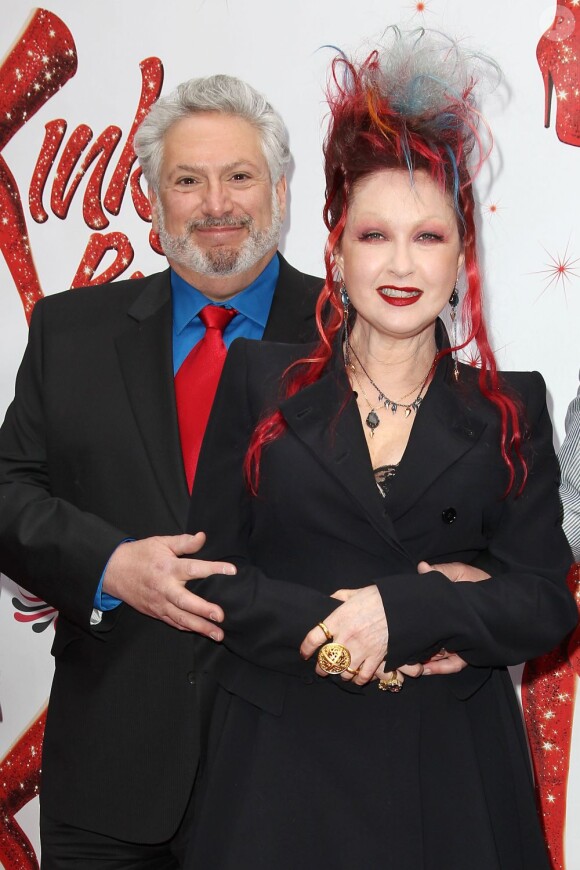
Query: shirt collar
(253, 302)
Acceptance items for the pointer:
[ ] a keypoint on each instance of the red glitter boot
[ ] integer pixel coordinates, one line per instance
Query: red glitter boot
(558, 55)
(19, 783)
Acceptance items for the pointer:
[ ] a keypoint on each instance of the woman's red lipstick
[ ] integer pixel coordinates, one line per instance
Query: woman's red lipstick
(399, 296)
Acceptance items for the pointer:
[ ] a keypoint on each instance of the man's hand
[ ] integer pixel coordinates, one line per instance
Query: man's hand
(458, 572)
(361, 626)
(149, 576)
(444, 663)
(455, 571)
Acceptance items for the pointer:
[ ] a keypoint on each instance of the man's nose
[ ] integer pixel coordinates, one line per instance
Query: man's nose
(216, 200)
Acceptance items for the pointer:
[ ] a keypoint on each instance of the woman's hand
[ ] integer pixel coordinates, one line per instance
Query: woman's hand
(360, 625)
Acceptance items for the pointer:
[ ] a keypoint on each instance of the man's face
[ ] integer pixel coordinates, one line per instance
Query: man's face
(217, 212)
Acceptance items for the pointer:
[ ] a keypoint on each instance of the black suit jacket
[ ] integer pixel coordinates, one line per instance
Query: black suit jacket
(319, 524)
(89, 456)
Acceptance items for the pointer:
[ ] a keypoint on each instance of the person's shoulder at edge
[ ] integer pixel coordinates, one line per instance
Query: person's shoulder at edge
(525, 386)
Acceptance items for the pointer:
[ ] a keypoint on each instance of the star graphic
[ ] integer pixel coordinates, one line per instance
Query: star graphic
(561, 269)
(421, 7)
(470, 356)
(491, 209)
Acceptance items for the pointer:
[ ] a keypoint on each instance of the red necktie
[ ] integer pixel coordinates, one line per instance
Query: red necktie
(196, 384)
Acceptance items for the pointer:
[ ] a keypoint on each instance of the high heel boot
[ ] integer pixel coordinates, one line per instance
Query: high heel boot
(558, 55)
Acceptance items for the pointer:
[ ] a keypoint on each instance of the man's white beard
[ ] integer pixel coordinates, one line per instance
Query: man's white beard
(220, 261)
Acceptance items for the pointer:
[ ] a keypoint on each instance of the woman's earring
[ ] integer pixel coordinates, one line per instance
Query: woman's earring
(454, 302)
(344, 298)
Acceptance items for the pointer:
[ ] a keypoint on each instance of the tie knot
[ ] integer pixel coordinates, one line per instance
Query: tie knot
(216, 317)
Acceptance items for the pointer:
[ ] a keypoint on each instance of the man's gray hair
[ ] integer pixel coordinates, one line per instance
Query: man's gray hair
(219, 93)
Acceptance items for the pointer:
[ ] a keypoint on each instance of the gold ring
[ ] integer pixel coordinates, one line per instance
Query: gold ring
(333, 658)
(391, 684)
(394, 683)
(353, 671)
(327, 633)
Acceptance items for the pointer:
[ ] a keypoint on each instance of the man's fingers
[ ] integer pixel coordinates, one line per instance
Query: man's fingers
(186, 621)
(198, 569)
(181, 545)
(453, 664)
(190, 603)
(185, 545)
(457, 571)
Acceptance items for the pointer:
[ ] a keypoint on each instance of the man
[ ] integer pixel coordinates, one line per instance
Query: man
(93, 489)
(569, 457)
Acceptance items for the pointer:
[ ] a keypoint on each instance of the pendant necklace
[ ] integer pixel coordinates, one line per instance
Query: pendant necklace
(373, 420)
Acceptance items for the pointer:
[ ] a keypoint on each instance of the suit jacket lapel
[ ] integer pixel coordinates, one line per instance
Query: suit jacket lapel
(145, 356)
(325, 417)
(444, 430)
(291, 316)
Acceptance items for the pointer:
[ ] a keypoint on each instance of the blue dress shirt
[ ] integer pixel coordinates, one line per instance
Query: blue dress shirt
(252, 304)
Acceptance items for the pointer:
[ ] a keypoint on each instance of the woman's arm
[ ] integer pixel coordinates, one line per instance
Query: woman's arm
(523, 610)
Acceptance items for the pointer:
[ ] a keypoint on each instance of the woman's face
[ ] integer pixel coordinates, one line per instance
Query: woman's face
(400, 252)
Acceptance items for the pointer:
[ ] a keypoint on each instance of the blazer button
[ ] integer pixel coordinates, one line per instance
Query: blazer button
(191, 678)
(449, 515)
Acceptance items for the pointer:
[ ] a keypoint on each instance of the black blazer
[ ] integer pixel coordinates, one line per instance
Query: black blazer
(89, 456)
(318, 524)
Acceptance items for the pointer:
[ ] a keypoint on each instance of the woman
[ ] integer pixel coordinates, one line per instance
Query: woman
(343, 471)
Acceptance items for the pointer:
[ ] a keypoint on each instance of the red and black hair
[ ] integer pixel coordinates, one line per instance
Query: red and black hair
(400, 113)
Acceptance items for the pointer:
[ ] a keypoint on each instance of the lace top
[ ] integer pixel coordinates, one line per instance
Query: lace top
(383, 476)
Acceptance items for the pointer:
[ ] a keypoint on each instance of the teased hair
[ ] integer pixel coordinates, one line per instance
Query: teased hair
(218, 93)
(410, 105)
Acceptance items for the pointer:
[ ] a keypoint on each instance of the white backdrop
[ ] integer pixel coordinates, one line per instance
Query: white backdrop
(528, 195)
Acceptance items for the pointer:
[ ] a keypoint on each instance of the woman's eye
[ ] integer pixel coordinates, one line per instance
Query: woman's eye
(372, 236)
(431, 237)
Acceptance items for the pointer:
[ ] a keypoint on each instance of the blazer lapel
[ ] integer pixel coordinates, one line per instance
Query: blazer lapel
(291, 317)
(145, 357)
(444, 430)
(325, 418)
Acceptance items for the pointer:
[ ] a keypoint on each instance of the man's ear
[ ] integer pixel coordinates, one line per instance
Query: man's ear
(152, 197)
(281, 191)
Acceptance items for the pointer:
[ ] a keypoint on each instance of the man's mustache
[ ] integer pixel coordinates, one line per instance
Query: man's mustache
(212, 223)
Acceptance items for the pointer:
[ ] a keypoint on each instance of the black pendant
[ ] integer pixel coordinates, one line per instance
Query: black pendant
(372, 421)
